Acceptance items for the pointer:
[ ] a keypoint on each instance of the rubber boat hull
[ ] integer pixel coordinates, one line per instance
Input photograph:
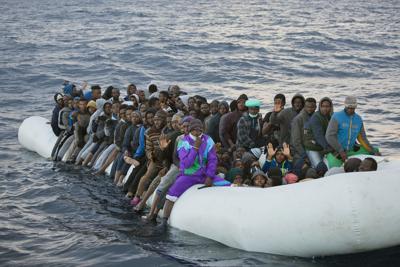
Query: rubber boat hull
(340, 214)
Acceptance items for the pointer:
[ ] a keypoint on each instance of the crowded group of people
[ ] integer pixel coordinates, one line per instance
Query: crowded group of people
(166, 141)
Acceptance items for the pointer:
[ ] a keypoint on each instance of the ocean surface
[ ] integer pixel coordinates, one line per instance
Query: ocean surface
(58, 215)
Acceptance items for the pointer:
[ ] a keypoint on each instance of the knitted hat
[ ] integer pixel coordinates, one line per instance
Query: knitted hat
(350, 102)
(242, 97)
(258, 172)
(232, 173)
(253, 103)
(91, 104)
(136, 97)
(196, 124)
(256, 152)
(291, 178)
(186, 119)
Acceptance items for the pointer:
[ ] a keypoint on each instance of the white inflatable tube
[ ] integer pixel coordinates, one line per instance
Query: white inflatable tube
(35, 134)
(339, 214)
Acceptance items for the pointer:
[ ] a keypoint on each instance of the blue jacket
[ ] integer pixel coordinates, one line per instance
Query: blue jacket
(142, 144)
(285, 166)
(349, 127)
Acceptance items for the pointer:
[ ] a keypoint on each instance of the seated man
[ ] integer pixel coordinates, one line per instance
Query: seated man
(344, 128)
(198, 164)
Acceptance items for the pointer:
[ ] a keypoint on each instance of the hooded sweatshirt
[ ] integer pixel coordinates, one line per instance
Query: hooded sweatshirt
(315, 130)
(284, 119)
(99, 109)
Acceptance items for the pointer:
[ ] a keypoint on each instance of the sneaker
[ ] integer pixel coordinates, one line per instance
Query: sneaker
(135, 201)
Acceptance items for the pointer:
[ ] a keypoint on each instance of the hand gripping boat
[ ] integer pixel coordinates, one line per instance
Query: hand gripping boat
(340, 214)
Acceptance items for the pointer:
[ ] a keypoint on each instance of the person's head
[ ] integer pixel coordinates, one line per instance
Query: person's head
(239, 152)
(136, 117)
(135, 100)
(160, 119)
(274, 177)
(108, 92)
(259, 178)
(235, 175)
(174, 90)
(123, 113)
(368, 164)
(144, 106)
(237, 163)
(254, 107)
(152, 88)
(131, 89)
(280, 99)
(149, 116)
(185, 121)
(91, 106)
(233, 105)
(214, 107)
(196, 128)
(82, 105)
(59, 99)
(115, 94)
(352, 165)
(163, 96)
(194, 113)
(175, 122)
(142, 96)
(191, 103)
(298, 102)
(241, 102)
(96, 92)
(325, 106)
(107, 108)
(350, 105)
(75, 102)
(279, 156)
(205, 109)
(310, 105)
(154, 102)
(66, 98)
(223, 107)
(115, 108)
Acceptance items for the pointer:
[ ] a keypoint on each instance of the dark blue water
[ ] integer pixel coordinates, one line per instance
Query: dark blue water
(55, 215)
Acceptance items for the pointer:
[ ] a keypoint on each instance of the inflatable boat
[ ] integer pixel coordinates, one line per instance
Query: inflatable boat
(339, 214)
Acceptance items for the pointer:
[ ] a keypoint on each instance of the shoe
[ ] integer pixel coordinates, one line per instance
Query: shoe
(135, 201)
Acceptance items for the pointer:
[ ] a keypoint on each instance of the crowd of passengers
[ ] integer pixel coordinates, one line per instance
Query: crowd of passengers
(167, 141)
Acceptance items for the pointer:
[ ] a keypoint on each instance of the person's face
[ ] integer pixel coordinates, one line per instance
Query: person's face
(205, 109)
(96, 94)
(82, 106)
(298, 104)
(169, 122)
(115, 108)
(175, 125)
(70, 102)
(75, 104)
(123, 114)
(279, 156)
(240, 105)
(115, 93)
(222, 110)
(240, 151)
(60, 102)
(350, 111)
(310, 107)
(238, 164)
(135, 118)
(196, 132)
(365, 166)
(91, 110)
(278, 101)
(325, 108)
(213, 107)
(141, 95)
(157, 104)
(162, 98)
(259, 181)
(107, 109)
(158, 122)
(191, 103)
(131, 90)
(254, 110)
(225, 157)
(143, 108)
(149, 119)
(185, 127)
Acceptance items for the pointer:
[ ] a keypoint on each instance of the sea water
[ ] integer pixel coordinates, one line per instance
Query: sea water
(56, 215)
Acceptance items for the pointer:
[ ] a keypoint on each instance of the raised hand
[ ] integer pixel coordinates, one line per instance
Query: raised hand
(286, 150)
(271, 151)
(164, 142)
